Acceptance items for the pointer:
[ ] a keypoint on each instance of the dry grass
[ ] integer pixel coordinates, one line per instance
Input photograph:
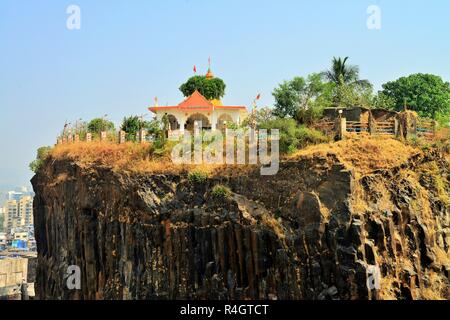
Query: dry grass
(365, 154)
(442, 134)
(130, 157)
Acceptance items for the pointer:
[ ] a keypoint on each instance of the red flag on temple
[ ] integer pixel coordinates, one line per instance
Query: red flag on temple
(258, 96)
(195, 69)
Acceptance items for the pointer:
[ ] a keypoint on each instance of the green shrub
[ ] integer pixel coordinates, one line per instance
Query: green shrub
(197, 177)
(131, 125)
(99, 124)
(42, 154)
(310, 115)
(308, 136)
(288, 128)
(221, 191)
(293, 136)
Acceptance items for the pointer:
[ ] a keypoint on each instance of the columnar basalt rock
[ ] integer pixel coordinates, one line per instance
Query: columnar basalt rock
(312, 231)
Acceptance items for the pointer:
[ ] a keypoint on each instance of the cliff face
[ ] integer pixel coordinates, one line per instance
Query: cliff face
(313, 231)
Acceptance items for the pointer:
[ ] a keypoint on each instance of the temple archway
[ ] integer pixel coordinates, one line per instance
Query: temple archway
(224, 119)
(174, 125)
(199, 118)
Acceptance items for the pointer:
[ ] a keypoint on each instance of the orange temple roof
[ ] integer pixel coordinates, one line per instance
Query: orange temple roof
(195, 101)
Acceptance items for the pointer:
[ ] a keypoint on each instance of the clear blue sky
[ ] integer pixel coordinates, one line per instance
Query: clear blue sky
(128, 52)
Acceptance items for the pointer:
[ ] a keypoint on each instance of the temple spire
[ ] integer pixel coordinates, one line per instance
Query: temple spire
(209, 74)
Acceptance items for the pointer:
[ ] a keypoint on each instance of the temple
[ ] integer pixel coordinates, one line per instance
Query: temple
(197, 110)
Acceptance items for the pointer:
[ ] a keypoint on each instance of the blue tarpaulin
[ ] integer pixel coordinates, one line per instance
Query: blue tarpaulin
(19, 244)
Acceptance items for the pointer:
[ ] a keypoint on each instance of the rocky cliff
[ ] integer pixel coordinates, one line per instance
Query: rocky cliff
(325, 227)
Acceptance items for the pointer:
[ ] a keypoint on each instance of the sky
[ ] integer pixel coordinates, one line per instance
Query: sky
(127, 52)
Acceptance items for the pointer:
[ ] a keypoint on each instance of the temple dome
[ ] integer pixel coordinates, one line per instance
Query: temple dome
(209, 74)
(216, 102)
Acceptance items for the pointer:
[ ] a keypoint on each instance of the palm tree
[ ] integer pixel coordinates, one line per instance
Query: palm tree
(342, 73)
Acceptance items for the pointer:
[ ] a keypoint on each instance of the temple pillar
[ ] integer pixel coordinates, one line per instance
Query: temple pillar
(235, 117)
(213, 121)
(181, 121)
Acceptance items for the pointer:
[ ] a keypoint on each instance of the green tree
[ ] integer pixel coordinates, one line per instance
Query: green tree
(213, 88)
(349, 95)
(153, 127)
(381, 101)
(341, 72)
(427, 94)
(131, 125)
(98, 124)
(297, 97)
(42, 154)
(349, 89)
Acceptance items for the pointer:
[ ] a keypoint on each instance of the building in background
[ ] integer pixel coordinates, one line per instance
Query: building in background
(10, 210)
(3, 241)
(19, 193)
(2, 217)
(25, 211)
(18, 213)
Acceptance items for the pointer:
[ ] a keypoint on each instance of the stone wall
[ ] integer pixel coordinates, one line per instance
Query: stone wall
(12, 273)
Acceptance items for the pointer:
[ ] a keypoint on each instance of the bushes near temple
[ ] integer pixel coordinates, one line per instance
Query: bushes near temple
(95, 126)
(220, 191)
(131, 125)
(292, 135)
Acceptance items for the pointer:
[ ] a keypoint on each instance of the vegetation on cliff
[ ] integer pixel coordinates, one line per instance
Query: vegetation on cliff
(41, 155)
(334, 211)
(364, 154)
(304, 99)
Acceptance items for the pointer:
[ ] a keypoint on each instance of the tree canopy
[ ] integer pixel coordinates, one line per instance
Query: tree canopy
(99, 124)
(349, 89)
(340, 86)
(213, 88)
(295, 97)
(427, 94)
(131, 125)
(343, 73)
